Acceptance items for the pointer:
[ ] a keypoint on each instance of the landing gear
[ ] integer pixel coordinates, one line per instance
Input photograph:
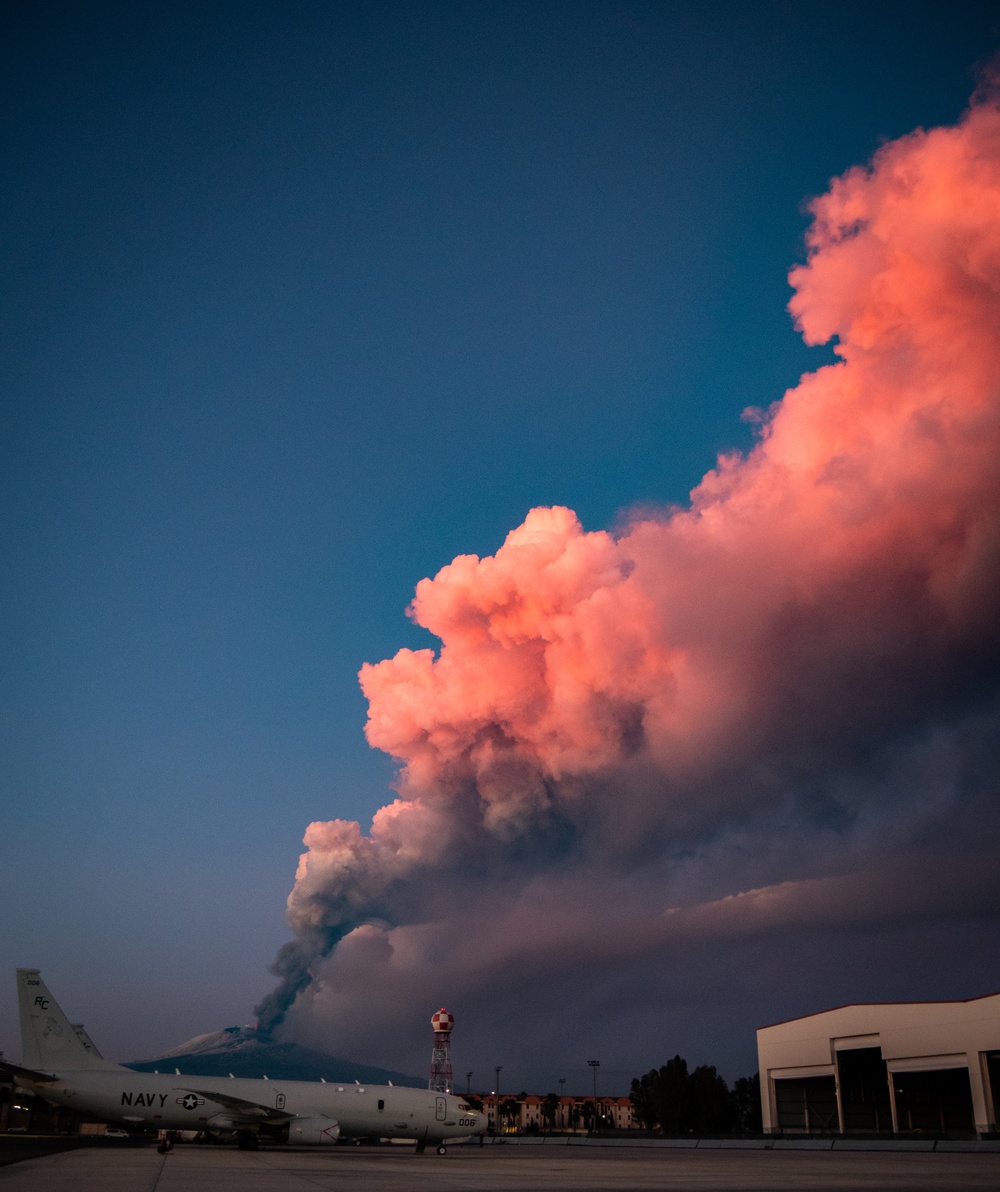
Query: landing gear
(248, 1142)
(442, 1149)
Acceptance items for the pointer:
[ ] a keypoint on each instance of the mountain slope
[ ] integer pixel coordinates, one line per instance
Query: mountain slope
(241, 1051)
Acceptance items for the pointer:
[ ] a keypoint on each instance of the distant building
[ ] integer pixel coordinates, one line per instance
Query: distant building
(533, 1114)
(897, 1067)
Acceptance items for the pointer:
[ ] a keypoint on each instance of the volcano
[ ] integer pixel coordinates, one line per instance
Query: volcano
(244, 1051)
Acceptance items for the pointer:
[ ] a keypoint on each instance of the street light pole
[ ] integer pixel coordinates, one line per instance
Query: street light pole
(594, 1065)
(498, 1069)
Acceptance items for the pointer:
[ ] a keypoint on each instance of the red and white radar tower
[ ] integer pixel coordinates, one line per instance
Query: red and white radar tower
(440, 1078)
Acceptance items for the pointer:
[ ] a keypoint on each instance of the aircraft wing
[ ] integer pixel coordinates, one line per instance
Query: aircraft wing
(28, 1073)
(237, 1105)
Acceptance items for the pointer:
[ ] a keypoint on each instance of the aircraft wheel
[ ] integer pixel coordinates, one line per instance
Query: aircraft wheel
(248, 1142)
(442, 1149)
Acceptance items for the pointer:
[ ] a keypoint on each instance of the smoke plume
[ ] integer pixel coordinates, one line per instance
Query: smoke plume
(788, 688)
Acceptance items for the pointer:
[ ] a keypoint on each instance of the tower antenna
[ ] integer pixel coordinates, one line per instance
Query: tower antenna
(440, 1078)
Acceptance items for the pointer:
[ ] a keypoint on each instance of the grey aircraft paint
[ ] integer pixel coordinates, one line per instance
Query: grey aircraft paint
(61, 1064)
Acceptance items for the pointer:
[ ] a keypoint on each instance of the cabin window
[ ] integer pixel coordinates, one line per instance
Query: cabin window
(381, 1104)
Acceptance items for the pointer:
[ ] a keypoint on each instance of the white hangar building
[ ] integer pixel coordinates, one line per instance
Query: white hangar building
(900, 1067)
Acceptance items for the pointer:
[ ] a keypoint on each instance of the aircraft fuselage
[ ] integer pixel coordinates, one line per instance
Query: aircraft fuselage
(175, 1102)
(61, 1063)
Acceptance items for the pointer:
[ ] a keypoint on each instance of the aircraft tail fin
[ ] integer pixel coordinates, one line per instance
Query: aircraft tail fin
(49, 1041)
(86, 1040)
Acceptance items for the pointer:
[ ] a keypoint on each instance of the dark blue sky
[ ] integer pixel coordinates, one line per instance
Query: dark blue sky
(301, 300)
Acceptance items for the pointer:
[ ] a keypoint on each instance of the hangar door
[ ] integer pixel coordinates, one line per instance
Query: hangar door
(993, 1072)
(864, 1091)
(936, 1102)
(807, 1104)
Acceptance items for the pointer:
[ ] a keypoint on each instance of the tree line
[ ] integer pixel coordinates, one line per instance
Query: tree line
(677, 1101)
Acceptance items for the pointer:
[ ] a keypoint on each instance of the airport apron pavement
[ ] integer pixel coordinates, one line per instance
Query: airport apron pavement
(472, 1169)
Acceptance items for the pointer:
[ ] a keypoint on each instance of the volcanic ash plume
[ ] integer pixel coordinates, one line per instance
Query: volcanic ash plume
(801, 664)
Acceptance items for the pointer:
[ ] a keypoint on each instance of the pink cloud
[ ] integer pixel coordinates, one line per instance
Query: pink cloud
(605, 697)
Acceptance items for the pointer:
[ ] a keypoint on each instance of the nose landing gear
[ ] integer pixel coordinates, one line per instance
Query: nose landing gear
(442, 1149)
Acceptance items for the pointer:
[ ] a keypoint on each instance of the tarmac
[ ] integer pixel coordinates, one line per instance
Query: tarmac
(190, 1168)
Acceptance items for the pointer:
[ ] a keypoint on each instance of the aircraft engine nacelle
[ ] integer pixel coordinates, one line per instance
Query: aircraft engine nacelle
(312, 1131)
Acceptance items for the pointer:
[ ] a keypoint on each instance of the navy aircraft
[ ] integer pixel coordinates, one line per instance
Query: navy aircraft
(60, 1063)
